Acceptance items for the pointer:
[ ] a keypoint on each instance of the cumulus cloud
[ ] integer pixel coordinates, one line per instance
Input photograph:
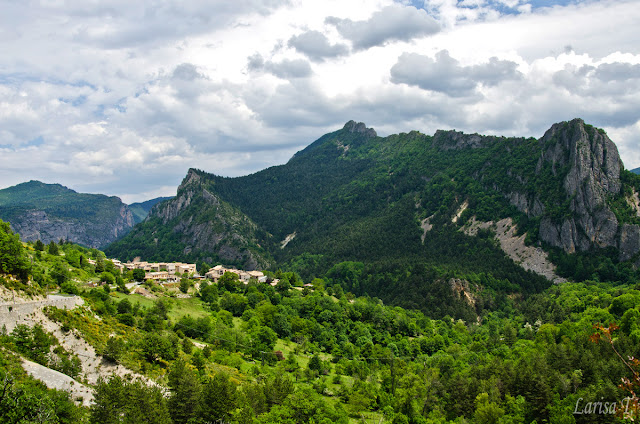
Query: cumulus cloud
(293, 104)
(445, 74)
(123, 24)
(303, 104)
(393, 23)
(609, 88)
(617, 71)
(187, 72)
(285, 69)
(123, 98)
(316, 46)
(626, 140)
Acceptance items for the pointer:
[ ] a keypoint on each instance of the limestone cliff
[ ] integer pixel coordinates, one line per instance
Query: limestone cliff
(593, 166)
(196, 225)
(587, 164)
(51, 212)
(38, 225)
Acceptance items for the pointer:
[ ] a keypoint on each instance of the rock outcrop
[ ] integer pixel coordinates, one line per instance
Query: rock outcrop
(206, 227)
(593, 174)
(462, 291)
(589, 166)
(456, 140)
(359, 128)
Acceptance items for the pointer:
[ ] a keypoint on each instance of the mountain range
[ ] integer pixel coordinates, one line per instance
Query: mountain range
(51, 212)
(353, 205)
(466, 233)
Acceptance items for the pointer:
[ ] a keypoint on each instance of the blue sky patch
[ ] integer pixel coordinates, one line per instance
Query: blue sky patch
(498, 5)
(38, 141)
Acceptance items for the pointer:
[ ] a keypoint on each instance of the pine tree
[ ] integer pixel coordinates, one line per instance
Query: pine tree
(218, 399)
(53, 248)
(185, 393)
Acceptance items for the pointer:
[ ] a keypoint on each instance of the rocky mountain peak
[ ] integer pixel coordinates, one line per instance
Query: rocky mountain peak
(202, 225)
(193, 176)
(588, 152)
(359, 128)
(590, 166)
(456, 140)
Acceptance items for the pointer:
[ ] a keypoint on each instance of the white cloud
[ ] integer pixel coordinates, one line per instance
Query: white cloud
(393, 23)
(627, 141)
(446, 75)
(316, 46)
(122, 98)
(285, 69)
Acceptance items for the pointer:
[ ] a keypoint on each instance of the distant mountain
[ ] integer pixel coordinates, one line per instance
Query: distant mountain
(140, 210)
(407, 206)
(49, 212)
(636, 171)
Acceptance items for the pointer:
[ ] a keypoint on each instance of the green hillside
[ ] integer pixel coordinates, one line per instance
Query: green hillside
(54, 198)
(261, 354)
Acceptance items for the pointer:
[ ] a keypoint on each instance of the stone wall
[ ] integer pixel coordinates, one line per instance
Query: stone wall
(22, 313)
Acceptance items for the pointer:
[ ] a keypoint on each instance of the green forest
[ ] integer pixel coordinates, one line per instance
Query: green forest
(257, 353)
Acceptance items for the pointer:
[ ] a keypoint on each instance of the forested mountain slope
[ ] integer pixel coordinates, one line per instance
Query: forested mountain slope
(194, 225)
(50, 212)
(396, 206)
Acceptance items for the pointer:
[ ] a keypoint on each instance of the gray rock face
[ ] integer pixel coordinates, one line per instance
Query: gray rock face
(217, 233)
(38, 225)
(593, 174)
(360, 128)
(455, 140)
(591, 166)
(51, 212)
(530, 207)
(593, 161)
(629, 241)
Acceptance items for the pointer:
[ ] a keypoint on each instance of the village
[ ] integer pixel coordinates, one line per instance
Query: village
(171, 272)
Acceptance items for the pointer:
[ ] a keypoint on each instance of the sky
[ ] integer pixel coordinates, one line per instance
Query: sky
(123, 97)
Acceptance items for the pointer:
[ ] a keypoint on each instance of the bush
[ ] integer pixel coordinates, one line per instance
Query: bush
(13, 259)
(126, 319)
(108, 278)
(184, 285)
(114, 349)
(70, 288)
